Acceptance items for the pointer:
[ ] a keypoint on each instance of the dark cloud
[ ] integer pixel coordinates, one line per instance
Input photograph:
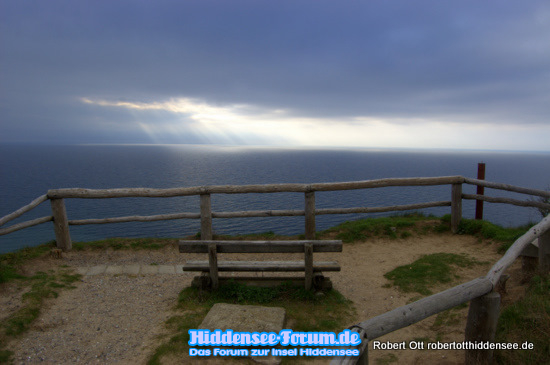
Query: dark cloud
(467, 61)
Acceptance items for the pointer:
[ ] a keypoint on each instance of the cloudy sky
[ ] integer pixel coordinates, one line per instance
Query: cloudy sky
(378, 73)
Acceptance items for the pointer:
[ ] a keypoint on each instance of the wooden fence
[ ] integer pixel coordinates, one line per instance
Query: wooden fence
(485, 302)
(205, 214)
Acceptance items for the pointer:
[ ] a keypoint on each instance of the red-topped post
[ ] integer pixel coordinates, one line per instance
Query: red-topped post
(480, 190)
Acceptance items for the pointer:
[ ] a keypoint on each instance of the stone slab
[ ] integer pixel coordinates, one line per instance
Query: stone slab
(166, 269)
(131, 269)
(113, 269)
(244, 318)
(97, 270)
(82, 270)
(149, 269)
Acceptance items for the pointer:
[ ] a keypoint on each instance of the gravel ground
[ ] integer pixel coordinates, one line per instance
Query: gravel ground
(107, 319)
(116, 319)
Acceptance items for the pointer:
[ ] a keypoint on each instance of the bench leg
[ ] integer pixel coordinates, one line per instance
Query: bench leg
(308, 249)
(213, 265)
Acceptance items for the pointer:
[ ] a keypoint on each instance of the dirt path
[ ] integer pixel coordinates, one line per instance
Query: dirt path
(117, 318)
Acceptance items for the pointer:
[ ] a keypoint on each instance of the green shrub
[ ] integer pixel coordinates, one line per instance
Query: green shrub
(527, 320)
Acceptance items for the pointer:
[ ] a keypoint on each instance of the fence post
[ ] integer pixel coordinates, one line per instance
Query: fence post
(310, 215)
(364, 358)
(61, 225)
(480, 190)
(206, 217)
(482, 326)
(544, 252)
(456, 206)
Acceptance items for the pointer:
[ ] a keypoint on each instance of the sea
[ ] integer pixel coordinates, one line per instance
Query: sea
(27, 172)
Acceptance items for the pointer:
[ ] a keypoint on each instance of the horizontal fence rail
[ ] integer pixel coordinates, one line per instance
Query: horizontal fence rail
(409, 314)
(259, 213)
(412, 313)
(382, 209)
(520, 203)
(135, 218)
(540, 229)
(246, 189)
(27, 224)
(36, 202)
(515, 189)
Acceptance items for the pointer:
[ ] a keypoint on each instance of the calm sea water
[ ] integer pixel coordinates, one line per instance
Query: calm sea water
(27, 172)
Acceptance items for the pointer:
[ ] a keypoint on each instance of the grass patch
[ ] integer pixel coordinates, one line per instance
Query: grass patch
(393, 227)
(261, 236)
(5, 356)
(42, 286)
(8, 273)
(527, 320)
(305, 310)
(36, 288)
(159, 243)
(428, 271)
(10, 262)
(488, 230)
(268, 235)
(125, 244)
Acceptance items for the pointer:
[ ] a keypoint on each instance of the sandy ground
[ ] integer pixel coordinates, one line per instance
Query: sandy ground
(118, 318)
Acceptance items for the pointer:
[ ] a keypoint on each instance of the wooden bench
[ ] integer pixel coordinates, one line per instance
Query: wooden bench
(313, 270)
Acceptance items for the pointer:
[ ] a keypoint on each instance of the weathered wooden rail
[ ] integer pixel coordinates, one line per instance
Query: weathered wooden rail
(485, 301)
(62, 223)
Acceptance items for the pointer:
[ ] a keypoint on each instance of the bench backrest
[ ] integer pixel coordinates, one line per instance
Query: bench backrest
(260, 246)
(212, 248)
